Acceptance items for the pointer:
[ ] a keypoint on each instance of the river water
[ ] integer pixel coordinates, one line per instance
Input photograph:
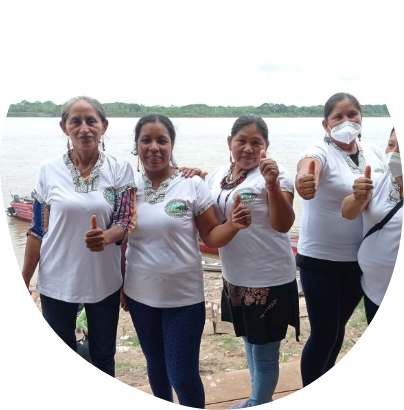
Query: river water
(201, 142)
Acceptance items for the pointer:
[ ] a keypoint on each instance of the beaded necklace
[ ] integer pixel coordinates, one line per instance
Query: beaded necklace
(226, 184)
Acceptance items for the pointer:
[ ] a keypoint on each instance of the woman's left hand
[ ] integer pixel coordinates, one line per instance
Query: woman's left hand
(269, 169)
(95, 238)
(240, 215)
(191, 172)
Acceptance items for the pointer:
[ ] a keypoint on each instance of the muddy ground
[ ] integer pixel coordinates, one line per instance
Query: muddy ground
(219, 352)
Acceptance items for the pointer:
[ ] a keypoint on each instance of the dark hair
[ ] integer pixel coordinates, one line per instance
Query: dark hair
(249, 119)
(95, 104)
(336, 98)
(392, 131)
(154, 118)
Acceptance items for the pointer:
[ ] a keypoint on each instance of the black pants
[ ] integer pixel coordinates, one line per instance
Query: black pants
(102, 318)
(331, 298)
(374, 318)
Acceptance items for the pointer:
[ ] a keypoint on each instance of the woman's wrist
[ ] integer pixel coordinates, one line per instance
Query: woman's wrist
(272, 187)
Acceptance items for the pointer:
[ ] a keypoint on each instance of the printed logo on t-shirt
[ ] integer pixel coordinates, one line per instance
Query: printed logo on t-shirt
(247, 195)
(176, 208)
(109, 195)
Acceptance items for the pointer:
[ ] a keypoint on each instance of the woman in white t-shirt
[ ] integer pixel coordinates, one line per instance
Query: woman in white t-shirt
(78, 259)
(328, 243)
(164, 288)
(260, 294)
(378, 252)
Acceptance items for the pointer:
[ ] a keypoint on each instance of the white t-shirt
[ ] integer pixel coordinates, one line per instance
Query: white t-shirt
(257, 256)
(163, 261)
(324, 233)
(378, 252)
(68, 270)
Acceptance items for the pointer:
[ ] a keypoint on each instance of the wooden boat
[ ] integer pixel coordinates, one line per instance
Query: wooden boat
(21, 208)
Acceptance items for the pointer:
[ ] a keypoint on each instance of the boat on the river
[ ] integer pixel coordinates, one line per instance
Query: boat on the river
(21, 208)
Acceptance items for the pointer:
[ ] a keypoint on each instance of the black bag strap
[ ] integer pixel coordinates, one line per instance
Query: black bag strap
(386, 219)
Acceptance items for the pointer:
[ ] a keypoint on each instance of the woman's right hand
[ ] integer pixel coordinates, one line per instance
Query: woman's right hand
(124, 306)
(191, 172)
(362, 187)
(306, 184)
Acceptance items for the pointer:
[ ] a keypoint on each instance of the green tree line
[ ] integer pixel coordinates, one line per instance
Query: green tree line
(119, 109)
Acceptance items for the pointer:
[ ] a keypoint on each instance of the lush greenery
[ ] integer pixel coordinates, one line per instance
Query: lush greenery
(117, 109)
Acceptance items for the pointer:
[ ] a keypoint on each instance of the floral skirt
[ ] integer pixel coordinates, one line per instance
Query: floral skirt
(261, 314)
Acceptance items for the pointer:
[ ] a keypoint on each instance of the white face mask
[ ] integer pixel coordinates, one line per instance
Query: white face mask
(394, 162)
(345, 132)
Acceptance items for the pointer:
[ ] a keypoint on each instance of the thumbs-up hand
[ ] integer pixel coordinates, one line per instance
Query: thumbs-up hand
(240, 215)
(269, 169)
(306, 184)
(95, 239)
(362, 187)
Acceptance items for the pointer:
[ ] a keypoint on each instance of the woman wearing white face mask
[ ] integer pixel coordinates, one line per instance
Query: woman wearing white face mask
(381, 207)
(328, 243)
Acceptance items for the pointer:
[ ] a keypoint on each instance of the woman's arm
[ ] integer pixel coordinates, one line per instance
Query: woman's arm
(216, 235)
(353, 205)
(124, 245)
(123, 223)
(281, 210)
(31, 258)
(351, 208)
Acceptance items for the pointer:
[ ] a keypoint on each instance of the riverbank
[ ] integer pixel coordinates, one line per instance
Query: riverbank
(219, 352)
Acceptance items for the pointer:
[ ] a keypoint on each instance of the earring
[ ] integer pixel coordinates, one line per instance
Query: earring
(68, 144)
(134, 151)
(173, 163)
(231, 160)
(138, 164)
(102, 143)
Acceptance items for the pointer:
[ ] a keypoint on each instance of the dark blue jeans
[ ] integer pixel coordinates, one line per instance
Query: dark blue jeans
(170, 339)
(102, 319)
(331, 298)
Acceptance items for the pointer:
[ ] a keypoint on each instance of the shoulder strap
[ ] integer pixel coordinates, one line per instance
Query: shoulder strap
(386, 219)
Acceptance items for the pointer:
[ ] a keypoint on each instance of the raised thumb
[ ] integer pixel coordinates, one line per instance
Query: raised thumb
(312, 168)
(368, 172)
(263, 154)
(237, 200)
(93, 222)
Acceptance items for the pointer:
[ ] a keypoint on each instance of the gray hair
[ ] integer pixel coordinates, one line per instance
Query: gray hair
(95, 104)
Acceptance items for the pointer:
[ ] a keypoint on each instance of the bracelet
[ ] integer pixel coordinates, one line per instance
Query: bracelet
(277, 185)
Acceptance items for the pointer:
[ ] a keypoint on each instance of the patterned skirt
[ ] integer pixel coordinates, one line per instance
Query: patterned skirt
(261, 314)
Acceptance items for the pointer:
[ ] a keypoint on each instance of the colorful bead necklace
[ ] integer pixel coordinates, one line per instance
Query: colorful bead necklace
(226, 184)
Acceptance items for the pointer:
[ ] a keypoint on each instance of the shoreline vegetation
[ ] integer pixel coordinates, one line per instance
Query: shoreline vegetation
(119, 109)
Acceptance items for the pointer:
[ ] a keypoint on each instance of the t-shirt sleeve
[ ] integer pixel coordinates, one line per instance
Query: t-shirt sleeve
(203, 199)
(40, 207)
(124, 178)
(316, 152)
(286, 180)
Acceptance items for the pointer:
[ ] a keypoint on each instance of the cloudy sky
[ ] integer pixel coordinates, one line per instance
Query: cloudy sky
(189, 53)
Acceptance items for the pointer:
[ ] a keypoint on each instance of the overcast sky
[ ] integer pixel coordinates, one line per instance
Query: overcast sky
(216, 56)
